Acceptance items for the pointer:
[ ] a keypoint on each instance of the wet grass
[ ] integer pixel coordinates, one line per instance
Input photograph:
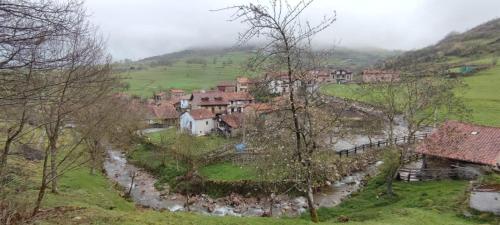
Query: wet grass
(187, 76)
(481, 96)
(227, 171)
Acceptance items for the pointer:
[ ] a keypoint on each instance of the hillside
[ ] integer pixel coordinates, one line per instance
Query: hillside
(204, 68)
(479, 45)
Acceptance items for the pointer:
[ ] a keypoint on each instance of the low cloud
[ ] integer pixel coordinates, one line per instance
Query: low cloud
(137, 29)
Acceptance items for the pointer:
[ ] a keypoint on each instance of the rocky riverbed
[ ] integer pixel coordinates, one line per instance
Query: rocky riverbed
(144, 193)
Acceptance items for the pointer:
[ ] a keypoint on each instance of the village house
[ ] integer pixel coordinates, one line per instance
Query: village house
(278, 83)
(213, 101)
(242, 84)
(162, 114)
(373, 76)
(341, 76)
(181, 103)
(237, 101)
(230, 124)
(321, 76)
(226, 86)
(462, 145)
(160, 96)
(197, 122)
(176, 93)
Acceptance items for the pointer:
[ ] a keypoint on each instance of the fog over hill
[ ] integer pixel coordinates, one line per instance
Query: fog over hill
(139, 29)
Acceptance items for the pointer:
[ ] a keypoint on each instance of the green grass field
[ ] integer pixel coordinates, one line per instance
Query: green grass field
(420, 203)
(481, 96)
(187, 76)
(228, 171)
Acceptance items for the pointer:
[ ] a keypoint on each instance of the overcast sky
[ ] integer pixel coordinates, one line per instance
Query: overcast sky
(140, 28)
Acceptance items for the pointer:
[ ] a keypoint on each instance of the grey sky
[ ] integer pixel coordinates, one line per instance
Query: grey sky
(141, 28)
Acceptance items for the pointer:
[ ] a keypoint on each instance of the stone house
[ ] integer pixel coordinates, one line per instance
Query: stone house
(242, 84)
(213, 101)
(278, 83)
(237, 101)
(472, 148)
(161, 114)
(230, 124)
(374, 76)
(176, 93)
(226, 86)
(197, 122)
(341, 76)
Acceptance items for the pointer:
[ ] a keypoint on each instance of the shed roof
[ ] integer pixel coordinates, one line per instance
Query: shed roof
(201, 114)
(464, 142)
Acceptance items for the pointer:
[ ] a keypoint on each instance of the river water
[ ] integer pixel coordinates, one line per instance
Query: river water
(145, 194)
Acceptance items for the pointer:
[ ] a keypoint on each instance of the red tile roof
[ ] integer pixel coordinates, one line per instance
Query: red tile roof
(226, 84)
(177, 91)
(465, 142)
(201, 114)
(234, 96)
(234, 120)
(164, 110)
(243, 80)
(260, 107)
(212, 98)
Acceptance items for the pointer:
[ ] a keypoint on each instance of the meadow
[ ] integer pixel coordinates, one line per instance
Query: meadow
(481, 95)
(188, 76)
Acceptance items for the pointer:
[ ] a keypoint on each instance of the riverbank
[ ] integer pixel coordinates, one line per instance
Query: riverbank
(144, 193)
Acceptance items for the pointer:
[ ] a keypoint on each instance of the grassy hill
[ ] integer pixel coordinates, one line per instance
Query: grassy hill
(479, 46)
(204, 68)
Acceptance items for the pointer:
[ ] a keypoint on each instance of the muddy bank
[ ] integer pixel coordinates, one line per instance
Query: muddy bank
(145, 194)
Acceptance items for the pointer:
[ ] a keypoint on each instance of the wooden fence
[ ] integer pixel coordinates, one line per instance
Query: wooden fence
(381, 143)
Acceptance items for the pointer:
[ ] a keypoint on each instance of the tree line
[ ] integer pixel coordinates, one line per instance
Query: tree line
(56, 80)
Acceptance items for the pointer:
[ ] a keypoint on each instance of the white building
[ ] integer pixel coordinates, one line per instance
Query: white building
(197, 122)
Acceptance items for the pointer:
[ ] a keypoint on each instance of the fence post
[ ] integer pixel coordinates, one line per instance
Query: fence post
(378, 143)
(409, 175)
(347, 153)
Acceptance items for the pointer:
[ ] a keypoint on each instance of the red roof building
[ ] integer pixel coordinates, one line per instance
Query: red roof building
(372, 76)
(226, 86)
(464, 142)
(201, 114)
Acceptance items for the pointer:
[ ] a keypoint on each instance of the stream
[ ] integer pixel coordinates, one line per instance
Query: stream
(144, 193)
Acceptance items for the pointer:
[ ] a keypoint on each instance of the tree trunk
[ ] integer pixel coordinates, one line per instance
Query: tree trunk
(53, 166)
(43, 186)
(3, 160)
(389, 180)
(131, 184)
(310, 202)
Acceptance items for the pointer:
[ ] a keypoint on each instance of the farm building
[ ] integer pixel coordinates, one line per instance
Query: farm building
(341, 76)
(226, 86)
(373, 76)
(230, 124)
(237, 101)
(197, 122)
(213, 101)
(243, 84)
(162, 114)
(462, 145)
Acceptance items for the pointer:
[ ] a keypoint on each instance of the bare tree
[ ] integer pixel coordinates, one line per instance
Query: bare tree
(287, 39)
(27, 27)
